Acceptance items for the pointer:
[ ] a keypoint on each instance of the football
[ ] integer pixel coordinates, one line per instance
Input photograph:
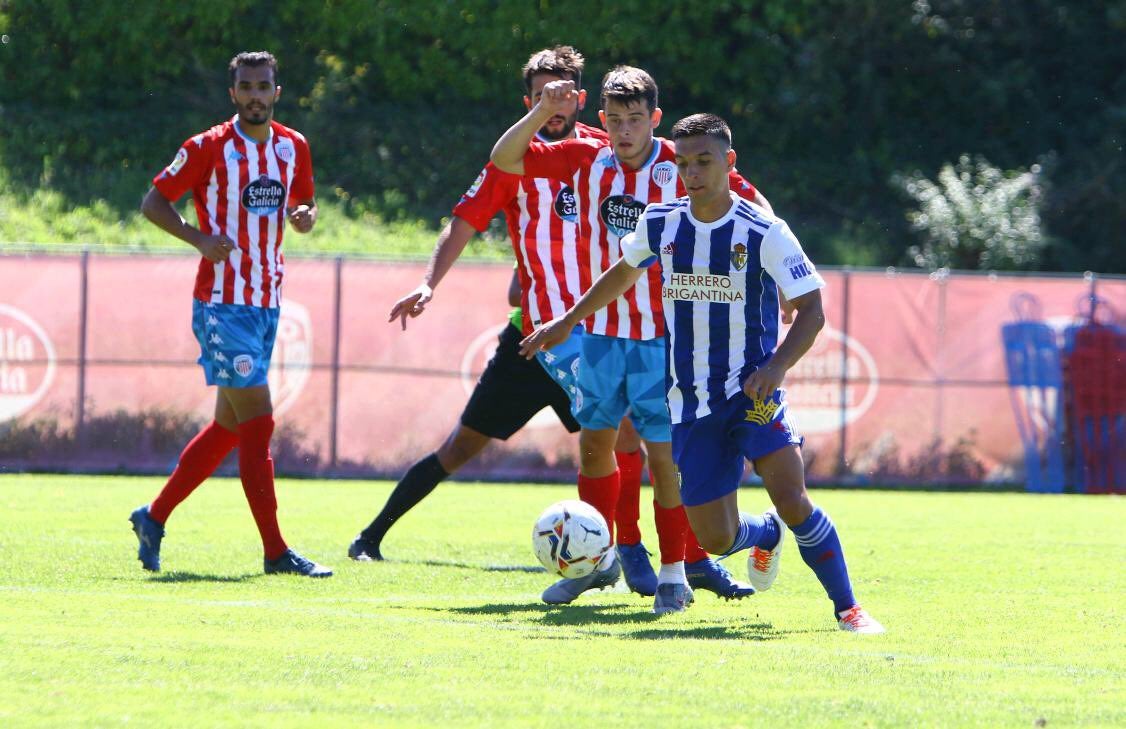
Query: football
(571, 538)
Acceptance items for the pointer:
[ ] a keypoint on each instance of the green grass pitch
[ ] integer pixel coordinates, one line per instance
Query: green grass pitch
(1002, 610)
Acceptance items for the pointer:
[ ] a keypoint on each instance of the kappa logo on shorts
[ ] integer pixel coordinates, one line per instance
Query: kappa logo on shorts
(220, 357)
(244, 365)
(223, 375)
(215, 339)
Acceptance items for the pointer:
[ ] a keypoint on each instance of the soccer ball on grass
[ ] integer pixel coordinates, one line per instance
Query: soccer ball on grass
(571, 538)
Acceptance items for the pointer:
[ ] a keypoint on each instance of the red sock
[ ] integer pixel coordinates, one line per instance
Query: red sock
(602, 494)
(693, 552)
(672, 524)
(199, 459)
(629, 497)
(257, 471)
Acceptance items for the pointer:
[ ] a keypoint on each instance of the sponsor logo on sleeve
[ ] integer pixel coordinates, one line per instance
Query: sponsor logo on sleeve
(178, 163)
(620, 213)
(664, 173)
(799, 266)
(566, 206)
(263, 196)
(284, 150)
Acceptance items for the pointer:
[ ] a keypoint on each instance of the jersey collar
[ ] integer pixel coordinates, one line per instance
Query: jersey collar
(247, 137)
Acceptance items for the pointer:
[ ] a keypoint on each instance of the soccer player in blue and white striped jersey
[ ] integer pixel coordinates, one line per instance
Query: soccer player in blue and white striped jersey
(725, 265)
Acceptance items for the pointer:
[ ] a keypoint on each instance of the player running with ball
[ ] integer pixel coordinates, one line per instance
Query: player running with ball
(724, 264)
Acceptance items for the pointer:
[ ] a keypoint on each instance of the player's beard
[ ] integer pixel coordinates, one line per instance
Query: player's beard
(564, 131)
(255, 116)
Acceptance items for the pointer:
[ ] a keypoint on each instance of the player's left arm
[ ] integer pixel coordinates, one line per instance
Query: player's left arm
(302, 209)
(782, 257)
(809, 318)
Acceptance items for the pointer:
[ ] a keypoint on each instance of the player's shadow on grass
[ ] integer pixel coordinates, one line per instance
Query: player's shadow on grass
(659, 627)
(196, 577)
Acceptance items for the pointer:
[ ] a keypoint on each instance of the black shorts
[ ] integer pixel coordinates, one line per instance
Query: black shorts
(513, 389)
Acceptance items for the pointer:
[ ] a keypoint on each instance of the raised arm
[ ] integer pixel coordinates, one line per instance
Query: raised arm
(614, 282)
(508, 152)
(451, 242)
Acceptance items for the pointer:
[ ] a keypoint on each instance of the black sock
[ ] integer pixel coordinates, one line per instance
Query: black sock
(415, 486)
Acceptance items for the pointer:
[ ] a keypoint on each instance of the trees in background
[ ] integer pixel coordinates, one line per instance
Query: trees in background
(832, 103)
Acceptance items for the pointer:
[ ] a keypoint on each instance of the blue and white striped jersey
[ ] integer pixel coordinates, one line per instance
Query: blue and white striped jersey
(720, 285)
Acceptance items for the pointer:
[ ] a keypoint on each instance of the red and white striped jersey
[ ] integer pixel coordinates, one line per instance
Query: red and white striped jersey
(241, 188)
(542, 226)
(611, 198)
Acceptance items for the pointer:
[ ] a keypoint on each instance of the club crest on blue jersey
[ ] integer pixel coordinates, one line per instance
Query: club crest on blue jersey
(566, 206)
(263, 196)
(739, 256)
(620, 213)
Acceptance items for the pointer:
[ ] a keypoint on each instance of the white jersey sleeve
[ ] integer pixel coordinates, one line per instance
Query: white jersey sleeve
(635, 247)
(782, 257)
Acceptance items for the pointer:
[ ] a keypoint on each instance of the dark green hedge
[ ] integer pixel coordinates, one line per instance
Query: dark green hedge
(401, 100)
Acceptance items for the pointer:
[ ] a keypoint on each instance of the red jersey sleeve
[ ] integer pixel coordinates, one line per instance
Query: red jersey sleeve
(741, 186)
(487, 196)
(188, 169)
(302, 189)
(560, 160)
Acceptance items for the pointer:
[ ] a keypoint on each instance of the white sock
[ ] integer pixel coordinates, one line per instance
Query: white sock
(672, 573)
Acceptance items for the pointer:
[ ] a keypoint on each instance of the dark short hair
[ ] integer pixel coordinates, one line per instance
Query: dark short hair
(702, 125)
(562, 61)
(626, 85)
(253, 59)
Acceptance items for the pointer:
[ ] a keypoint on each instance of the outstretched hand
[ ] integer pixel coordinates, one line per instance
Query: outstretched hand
(546, 336)
(411, 305)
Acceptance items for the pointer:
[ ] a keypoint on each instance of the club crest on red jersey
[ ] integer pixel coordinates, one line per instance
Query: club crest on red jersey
(284, 150)
(664, 173)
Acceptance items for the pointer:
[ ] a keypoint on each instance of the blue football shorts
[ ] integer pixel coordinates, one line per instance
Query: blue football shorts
(235, 342)
(619, 376)
(710, 451)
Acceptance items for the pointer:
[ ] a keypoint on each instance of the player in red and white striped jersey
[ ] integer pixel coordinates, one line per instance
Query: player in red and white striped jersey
(248, 177)
(622, 360)
(540, 216)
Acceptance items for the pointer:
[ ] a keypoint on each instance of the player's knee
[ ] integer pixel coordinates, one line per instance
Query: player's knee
(794, 507)
(715, 539)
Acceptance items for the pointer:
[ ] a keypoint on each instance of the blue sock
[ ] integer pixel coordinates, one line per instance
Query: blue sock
(821, 549)
(754, 531)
